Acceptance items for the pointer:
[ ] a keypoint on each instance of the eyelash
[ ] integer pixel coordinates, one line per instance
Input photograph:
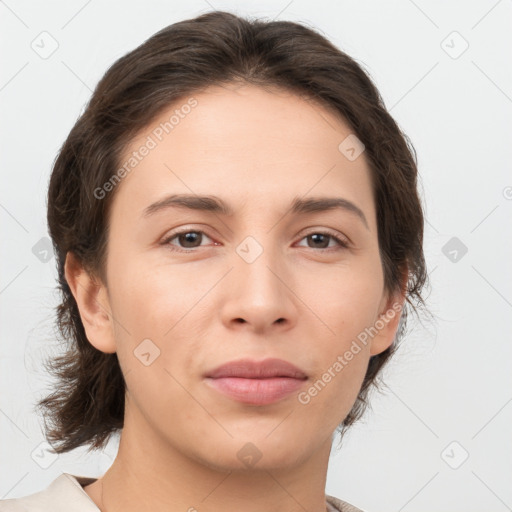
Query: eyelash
(343, 244)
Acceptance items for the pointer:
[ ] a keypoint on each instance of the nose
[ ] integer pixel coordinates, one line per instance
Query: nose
(259, 290)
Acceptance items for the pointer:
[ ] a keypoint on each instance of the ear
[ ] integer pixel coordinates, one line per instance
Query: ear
(93, 303)
(388, 320)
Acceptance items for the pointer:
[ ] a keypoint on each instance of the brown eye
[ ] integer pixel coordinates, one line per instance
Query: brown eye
(187, 239)
(320, 240)
(190, 237)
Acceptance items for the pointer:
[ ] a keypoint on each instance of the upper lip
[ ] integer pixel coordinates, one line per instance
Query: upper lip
(249, 369)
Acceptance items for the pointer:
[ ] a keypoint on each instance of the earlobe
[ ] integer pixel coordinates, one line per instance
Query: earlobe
(93, 305)
(387, 323)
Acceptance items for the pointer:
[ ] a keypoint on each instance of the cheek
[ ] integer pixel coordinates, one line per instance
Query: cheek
(156, 315)
(333, 391)
(347, 304)
(149, 301)
(346, 299)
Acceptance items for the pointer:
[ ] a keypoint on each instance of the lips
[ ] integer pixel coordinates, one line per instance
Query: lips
(256, 383)
(248, 369)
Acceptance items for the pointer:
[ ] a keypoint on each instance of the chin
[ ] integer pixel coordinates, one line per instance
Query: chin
(262, 454)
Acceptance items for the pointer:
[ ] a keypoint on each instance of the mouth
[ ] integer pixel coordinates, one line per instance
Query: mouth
(256, 383)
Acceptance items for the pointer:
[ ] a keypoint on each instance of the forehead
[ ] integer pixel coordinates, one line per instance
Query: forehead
(253, 118)
(243, 142)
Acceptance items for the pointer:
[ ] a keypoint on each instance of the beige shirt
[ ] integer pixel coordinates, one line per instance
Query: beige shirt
(66, 494)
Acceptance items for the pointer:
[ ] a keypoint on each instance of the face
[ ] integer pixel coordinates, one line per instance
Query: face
(189, 289)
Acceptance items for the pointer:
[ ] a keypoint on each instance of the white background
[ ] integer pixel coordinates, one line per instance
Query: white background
(451, 380)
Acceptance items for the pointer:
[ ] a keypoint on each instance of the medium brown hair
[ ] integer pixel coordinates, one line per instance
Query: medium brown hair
(216, 48)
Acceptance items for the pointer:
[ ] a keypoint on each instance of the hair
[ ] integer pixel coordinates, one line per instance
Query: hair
(87, 406)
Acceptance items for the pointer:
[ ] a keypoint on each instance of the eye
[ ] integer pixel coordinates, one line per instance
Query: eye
(191, 239)
(321, 239)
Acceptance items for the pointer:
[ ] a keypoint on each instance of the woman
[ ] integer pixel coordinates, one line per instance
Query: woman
(239, 238)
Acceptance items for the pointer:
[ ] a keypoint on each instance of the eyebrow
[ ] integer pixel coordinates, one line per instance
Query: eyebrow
(214, 204)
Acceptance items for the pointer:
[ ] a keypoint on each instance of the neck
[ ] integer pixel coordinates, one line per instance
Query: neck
(147, 476)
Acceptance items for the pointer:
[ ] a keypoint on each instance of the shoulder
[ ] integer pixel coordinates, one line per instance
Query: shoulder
(335, 505)
(64, 494)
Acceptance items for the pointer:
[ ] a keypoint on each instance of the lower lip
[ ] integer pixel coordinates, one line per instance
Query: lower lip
(256, 391)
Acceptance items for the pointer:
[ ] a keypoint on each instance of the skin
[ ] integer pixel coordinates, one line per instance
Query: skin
(256, 149)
